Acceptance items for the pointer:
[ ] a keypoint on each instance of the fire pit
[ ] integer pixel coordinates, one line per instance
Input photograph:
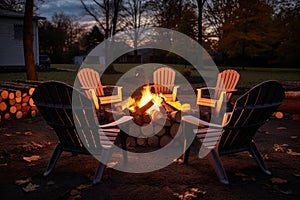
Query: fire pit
(157, 121)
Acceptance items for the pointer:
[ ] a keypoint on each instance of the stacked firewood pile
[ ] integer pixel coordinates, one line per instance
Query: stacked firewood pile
(15, 99)
(157, 133)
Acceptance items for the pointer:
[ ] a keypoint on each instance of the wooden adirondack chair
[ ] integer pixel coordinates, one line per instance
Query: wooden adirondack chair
(76, 126)
(164, 79)
(221, 93)
(250, 112)
(90, 81)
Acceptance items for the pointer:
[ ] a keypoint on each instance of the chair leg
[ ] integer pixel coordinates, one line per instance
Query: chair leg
(258, 158)
(123, 137)
(55, 156)
(106, 153)
(218, 167)
(185, 156)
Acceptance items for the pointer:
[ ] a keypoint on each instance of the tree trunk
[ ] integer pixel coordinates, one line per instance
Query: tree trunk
(28, 41)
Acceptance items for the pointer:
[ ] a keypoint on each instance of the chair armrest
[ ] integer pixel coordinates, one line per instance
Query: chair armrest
(198, 122)
(207, 88)
(110, 86)
(120, 121)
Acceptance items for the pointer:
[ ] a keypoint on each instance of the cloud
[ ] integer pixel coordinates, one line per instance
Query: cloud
(69, 7)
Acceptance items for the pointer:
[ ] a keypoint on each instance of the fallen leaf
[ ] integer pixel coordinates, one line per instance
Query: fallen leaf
(75, 197)
(75, 192)
(3, 164)
(30, 187)
(293, 153)
(50, 183)
(245, 177)
(8, 135)
(266, 157)
(276, 180)
(281, 128)
(190, 194)
(83, 186)
(32, 158)
(37, 145)
(295, 137)
(111, 164)
(178, 161)
(286, 192)
(280, 147)
(28, 133)
(22, 181)
(297, 174)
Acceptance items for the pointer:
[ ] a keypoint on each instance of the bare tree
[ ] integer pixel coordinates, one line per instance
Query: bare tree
(105, 13)
(28, 41)
(134, 16)
(15, 5)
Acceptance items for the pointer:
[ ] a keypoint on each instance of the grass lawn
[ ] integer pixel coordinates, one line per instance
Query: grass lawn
(249, 76)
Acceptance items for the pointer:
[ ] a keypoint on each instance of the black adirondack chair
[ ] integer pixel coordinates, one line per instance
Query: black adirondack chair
(250, 112)
(76, 125)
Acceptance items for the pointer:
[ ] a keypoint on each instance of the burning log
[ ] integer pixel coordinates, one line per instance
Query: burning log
(175, 116)
(142, 110)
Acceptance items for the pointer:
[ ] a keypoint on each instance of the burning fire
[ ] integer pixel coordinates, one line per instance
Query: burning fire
(146, 97)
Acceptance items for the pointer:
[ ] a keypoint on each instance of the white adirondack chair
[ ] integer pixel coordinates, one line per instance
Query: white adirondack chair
(91, 84)
(221, 93)
(164, 79)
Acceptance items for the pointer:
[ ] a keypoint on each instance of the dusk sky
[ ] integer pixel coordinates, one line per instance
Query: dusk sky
(69, 7)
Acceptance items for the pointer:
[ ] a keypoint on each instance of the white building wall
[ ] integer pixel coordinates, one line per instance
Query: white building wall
(11, 51)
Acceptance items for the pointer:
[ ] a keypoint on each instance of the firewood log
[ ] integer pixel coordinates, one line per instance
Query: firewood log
(13, 109)
(3, 106)
(31, 102)
(164, 140)
(18, 99)
(142, 110)
(153, 141)
(147, 130)
(33, 113)
(12, 102)
(19, 114)
(6, 116)
(130, 142)
(159, 130)
(4, 94)
(18, 106)
(134, 130)
(25, 99)
(176, 116)
(11, 95)
(141, 141)
(175, 130)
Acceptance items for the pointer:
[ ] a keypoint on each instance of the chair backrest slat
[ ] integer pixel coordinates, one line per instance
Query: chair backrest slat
(164, 79)
(251, 111)
(90, 78)
(70, 123)
(228, 80)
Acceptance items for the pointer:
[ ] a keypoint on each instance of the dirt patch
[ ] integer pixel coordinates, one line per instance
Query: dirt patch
(72, 176)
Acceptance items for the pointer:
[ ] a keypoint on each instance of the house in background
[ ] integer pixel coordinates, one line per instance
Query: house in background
(11, 39)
